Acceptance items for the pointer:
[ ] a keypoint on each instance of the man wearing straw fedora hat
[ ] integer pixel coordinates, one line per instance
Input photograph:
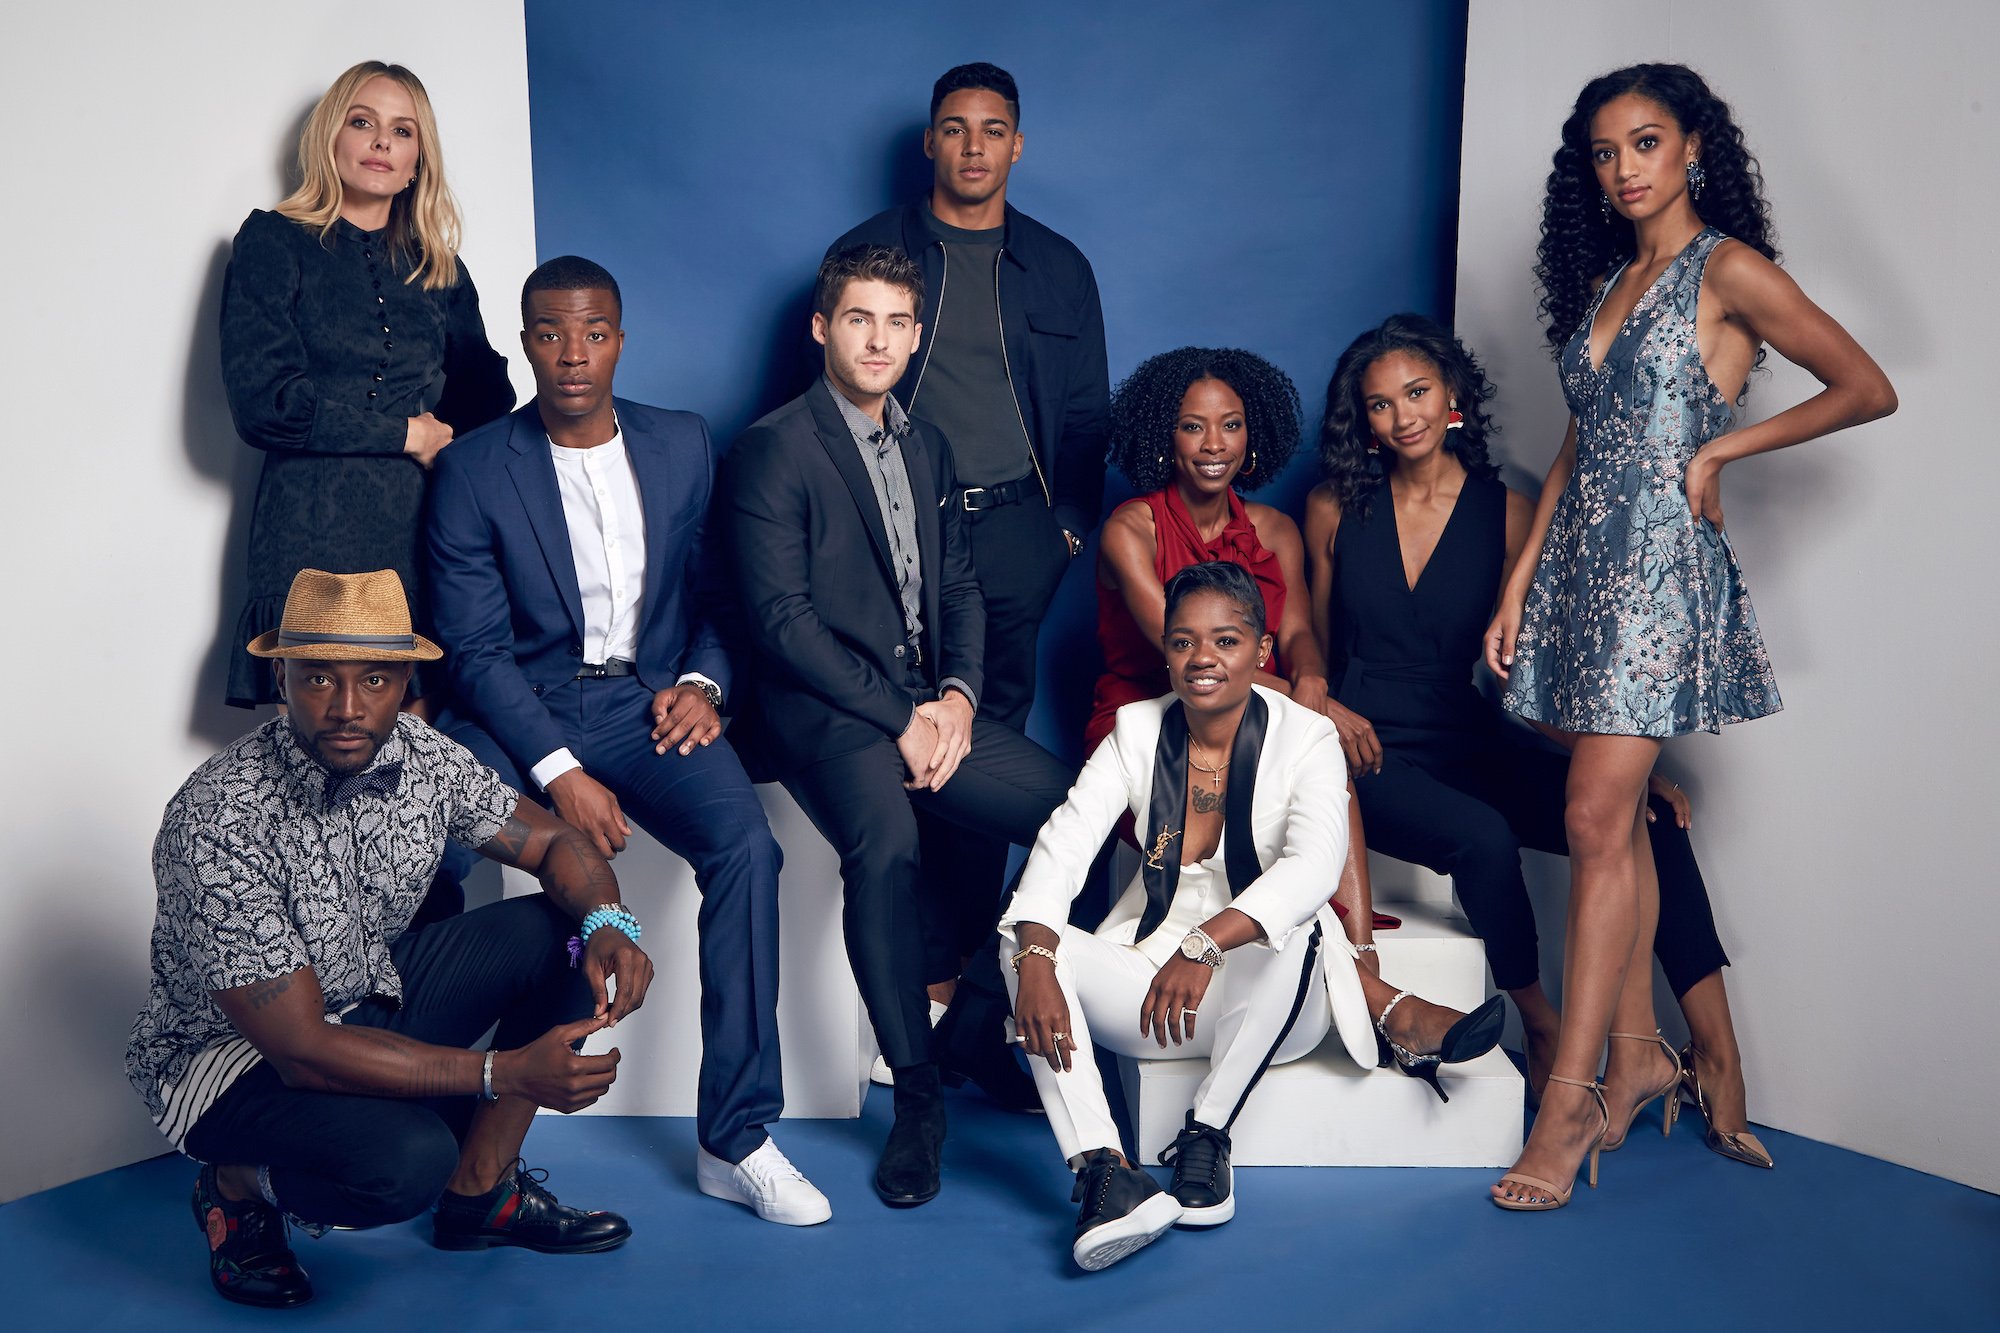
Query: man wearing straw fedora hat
(314, 1054)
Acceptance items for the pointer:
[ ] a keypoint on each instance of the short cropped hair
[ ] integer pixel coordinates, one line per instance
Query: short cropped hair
(990, 78)
(1218, 576)
(867, 263)
(570, 273)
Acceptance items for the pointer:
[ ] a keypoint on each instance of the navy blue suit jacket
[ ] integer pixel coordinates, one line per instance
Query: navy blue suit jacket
(503, 587)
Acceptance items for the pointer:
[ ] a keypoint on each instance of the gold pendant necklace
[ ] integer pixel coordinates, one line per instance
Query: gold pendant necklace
(1205, 802)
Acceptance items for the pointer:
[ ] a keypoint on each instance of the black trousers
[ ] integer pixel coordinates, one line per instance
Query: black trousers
(1019, 556)
(1471, 817)
(1006, 788)
(702, 808)
(338, 1159)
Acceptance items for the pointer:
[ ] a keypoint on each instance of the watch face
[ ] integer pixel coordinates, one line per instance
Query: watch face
(1191, 948)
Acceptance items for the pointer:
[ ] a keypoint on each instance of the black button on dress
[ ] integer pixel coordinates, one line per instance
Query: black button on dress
(315, 382)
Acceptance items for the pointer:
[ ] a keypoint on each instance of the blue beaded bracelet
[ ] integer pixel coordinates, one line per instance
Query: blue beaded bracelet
(612, 915)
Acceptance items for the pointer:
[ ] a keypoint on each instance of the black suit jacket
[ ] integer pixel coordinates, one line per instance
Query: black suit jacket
(812, 569)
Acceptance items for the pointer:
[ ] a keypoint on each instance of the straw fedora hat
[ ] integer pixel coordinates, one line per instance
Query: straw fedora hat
(346, 618)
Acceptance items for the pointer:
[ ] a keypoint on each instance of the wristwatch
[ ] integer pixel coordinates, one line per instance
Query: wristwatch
(711, 690)
(1198, 947)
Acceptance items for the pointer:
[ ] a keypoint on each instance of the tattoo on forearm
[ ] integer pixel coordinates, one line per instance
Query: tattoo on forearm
(511, 842)
(573, 871)
(428, 1071)
(263, 993)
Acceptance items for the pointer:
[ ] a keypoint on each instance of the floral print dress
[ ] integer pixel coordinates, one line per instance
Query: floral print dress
(1638, 623)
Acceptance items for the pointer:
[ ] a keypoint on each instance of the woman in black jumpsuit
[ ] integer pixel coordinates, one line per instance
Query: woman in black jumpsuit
(1442, 778)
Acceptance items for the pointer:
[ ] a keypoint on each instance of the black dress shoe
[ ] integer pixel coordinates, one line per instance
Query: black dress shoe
(909, 1172)
(1199, 1156)
(1124, 1209)
(971, 1043)
(248, 1259)
(519, 1210)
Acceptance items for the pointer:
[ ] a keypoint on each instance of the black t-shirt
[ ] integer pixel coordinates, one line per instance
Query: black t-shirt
(964, 389)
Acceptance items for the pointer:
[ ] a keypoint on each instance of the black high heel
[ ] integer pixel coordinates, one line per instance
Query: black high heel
(1469, 1038)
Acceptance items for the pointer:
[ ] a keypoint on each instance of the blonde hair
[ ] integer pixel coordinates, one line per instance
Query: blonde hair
(423, 219)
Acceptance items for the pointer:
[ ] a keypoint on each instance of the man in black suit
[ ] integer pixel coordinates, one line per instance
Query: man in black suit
(845, 523)
(1013, 371)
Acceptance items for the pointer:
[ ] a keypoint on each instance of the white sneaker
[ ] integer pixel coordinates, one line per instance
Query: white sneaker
(766, 1183)
(880, 1074)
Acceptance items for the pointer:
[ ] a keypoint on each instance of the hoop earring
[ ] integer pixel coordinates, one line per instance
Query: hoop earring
(1250, 463)
(1697, 177)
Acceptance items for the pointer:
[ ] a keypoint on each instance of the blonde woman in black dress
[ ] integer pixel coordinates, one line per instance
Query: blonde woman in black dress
(352, 349)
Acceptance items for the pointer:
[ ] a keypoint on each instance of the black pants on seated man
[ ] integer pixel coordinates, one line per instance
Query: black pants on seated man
(338, 1160)
(1005, 789)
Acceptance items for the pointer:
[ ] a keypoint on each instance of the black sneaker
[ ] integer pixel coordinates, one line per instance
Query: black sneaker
(248, 1259)
(1199, 1156)
(518, 1210)
(1124, 1209)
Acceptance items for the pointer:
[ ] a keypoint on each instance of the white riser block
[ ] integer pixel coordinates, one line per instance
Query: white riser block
(1434, 954)
(823, 1029)
(1395, 882)
(1322, 1110)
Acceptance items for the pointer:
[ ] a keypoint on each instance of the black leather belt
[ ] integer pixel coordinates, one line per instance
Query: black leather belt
(617, 666)
(976, 498)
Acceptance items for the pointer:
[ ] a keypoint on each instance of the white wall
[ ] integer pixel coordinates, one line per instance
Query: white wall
(144, 134)
(1843, 839)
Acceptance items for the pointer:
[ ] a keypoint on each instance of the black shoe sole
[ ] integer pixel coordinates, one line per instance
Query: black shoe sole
(905, 1200)
(444, 1242)
(1475, 1034)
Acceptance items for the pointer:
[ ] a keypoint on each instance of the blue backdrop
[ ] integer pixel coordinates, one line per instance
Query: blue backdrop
(1270, 175)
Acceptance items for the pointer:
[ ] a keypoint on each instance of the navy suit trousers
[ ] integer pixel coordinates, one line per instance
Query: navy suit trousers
(701, 807)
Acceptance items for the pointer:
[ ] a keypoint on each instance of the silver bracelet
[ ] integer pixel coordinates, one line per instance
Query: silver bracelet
(1366, 948)
(486, 1079)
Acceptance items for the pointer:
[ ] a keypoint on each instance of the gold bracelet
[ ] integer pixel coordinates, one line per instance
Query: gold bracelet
(1035, 949)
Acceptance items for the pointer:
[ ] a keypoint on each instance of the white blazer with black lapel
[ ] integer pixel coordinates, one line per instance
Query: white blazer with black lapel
(1298, 820)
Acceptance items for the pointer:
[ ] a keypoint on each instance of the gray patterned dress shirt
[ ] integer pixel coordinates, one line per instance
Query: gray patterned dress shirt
(882, 456)
(260, 875)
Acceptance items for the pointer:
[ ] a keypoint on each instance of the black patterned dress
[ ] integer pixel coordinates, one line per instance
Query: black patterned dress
(1638, 622)
(326, 354)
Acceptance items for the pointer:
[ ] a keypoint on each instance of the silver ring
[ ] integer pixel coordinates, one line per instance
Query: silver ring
(1059, 1036)
(1190, 1013)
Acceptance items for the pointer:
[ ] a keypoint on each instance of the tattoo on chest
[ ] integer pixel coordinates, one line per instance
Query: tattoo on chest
(1205, 802)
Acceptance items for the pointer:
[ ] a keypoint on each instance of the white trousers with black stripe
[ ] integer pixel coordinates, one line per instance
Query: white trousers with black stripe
(1263, 1007)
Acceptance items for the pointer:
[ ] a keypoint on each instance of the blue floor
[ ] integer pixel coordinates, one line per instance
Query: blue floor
(1676, 1238)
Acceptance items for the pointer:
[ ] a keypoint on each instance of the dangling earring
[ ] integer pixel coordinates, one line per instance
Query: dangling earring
(413, 180)
(1374, 446)
(1250, 463)
(1697, 177)
(1455, 419)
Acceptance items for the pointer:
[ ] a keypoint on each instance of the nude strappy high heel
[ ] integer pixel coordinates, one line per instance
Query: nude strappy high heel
(1558, 1195)
(1737, 1146)
(1670, 1090)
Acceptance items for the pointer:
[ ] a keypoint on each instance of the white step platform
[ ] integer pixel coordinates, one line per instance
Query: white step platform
(1324, 1110)
(823, 1029)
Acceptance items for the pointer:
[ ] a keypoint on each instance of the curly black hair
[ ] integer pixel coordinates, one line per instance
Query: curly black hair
(1580, 243)
(1146, 407)
(1345, 457)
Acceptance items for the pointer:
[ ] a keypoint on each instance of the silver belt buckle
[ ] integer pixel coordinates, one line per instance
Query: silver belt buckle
(965, 498)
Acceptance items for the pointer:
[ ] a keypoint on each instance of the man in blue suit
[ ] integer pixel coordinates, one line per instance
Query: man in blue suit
(564, 542)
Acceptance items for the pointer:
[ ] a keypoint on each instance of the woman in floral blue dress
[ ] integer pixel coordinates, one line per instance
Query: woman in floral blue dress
(1626, 621)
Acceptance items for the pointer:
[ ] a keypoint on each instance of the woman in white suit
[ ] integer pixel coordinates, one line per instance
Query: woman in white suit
(1223, 946)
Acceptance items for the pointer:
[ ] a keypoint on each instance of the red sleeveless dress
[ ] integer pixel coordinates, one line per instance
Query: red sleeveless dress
(1134, 667)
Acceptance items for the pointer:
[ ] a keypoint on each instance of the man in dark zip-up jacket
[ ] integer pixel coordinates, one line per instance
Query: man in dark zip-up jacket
(1013, 371)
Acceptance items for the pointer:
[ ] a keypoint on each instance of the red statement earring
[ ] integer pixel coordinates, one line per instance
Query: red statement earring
(1455, 419)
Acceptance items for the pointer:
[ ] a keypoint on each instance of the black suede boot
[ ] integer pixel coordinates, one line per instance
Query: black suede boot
(971, 1043)
(908, 1172)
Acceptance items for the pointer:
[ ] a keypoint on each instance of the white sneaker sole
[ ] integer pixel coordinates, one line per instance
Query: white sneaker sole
(1215, 1216)
(1103, 1246)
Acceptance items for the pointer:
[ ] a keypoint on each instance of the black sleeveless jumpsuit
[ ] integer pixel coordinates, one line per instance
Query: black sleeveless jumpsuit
(1461, 789)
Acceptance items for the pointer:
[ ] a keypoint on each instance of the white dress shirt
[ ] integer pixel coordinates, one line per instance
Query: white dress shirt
(607, 541)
